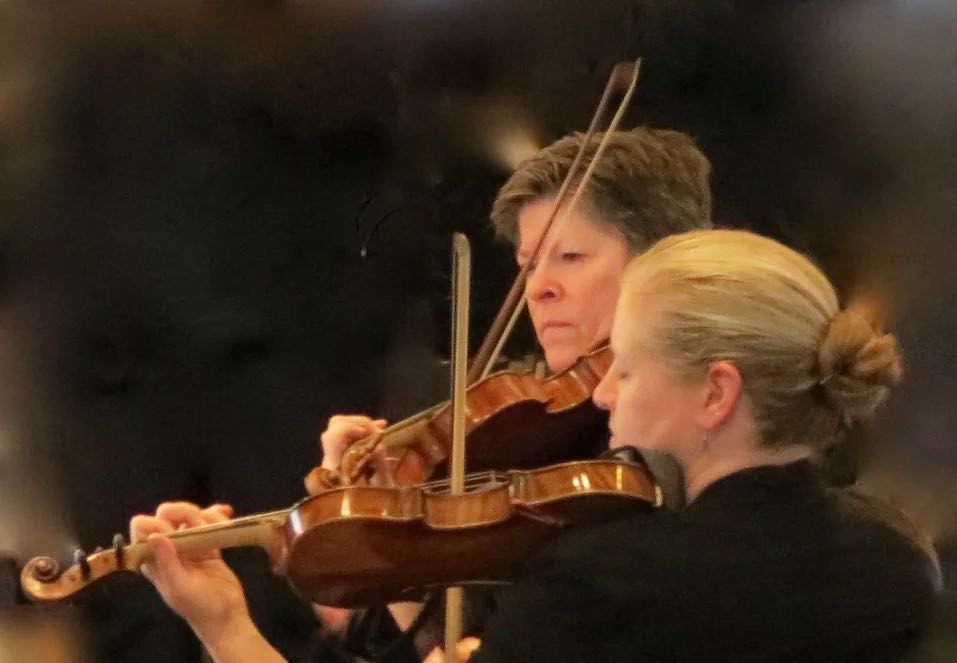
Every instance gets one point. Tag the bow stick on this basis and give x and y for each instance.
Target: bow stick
(623, 77)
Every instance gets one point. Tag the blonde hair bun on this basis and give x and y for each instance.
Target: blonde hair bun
(858, 364)
(809, 369)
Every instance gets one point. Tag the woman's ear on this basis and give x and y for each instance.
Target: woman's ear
(722, 391)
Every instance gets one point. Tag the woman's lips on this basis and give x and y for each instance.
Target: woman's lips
(556, 327)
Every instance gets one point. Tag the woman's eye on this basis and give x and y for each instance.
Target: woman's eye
(571, 256)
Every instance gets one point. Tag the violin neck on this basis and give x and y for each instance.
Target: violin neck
(404, 432)
(261, 530)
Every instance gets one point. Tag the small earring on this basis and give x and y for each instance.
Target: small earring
(706, 442)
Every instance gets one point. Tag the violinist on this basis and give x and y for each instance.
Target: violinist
(651, 183)
(733, 355)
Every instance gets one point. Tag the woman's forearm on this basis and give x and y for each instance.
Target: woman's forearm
(239, 642)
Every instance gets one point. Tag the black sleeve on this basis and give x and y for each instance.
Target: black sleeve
(593, 595)
(373, 635)
(559, 616)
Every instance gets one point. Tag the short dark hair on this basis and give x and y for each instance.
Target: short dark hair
(649, 184)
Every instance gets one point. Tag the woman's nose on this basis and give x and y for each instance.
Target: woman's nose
(605, 392)
(542, 286)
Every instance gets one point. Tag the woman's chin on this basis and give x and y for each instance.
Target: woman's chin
(560, 360)
(562, 355)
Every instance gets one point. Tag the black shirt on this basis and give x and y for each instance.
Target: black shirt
(766, 565)
(372, 633)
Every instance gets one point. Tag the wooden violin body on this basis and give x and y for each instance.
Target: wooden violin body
(357, 545)
(512, 420)
(518, 420)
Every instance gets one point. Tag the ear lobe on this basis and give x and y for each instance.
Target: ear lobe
(723, 383)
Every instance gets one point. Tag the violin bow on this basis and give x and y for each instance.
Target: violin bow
(624, 77)
(461, 279)
(511, 309)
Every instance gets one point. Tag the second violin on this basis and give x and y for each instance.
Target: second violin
(358, 545)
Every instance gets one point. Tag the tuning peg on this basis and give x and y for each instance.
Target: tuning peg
(119, 544)
(79, 558)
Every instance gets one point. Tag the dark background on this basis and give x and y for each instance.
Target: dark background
(222, 222)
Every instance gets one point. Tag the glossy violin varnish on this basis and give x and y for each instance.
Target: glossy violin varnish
(362, 544)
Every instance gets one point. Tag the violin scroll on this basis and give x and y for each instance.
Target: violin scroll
(43, 569)
(43, 581)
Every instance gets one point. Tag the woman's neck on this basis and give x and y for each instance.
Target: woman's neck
(710, 465)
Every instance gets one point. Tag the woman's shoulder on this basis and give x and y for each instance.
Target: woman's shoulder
(888, 530)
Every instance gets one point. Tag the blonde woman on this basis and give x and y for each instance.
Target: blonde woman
(733, 355)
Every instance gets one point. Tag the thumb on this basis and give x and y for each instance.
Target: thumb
(467, 647)
(435, 656)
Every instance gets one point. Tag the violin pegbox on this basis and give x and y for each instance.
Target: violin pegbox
(43, 581)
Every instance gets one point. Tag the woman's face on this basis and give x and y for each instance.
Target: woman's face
(649, 406)
(572, 289)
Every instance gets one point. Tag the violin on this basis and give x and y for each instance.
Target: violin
(513, 419)
(402, 541)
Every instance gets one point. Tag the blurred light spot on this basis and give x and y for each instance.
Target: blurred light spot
(513, 146)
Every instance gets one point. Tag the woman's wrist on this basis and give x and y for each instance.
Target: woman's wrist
(237, 641)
